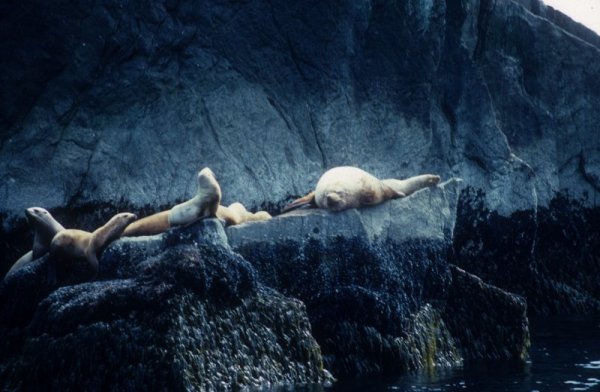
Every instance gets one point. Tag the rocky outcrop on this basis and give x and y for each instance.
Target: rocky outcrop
(191, 316)
(500, 93)
(539, 68)
(183, 311)
(378, 288)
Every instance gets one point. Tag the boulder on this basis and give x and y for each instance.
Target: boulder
(204, 308)
(378, 287)
(188, 316)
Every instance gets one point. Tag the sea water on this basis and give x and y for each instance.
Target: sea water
(564, 356)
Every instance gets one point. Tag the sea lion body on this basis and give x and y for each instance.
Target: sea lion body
(345, 187)
(79, 244)
(203, 205)
(45, 227)
(236, 214)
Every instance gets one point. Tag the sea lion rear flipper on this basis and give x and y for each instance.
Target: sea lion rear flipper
(23, 260)
(306, 201)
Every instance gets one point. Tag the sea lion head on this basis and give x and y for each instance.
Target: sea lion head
(432, 179)
(37, 215)
(335, 201)
(111, 230)
(124, 218)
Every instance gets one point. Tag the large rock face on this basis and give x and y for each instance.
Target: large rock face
(269, 95)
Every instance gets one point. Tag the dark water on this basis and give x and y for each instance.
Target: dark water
(564, 356)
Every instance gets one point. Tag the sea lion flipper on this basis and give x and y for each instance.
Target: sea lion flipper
(92, 258)
(26, 258)
(308, 200)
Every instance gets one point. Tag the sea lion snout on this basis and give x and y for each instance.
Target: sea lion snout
(129, 216)
(32, 211)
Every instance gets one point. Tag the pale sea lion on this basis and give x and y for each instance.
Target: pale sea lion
(347, 187)
(44, 228)
(75, 243)
(203, 205)
(236, 214)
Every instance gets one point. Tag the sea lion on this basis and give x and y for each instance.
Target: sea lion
(44, 228)
(236, 214)
(347, 187)
(203, 205)
(73, 243)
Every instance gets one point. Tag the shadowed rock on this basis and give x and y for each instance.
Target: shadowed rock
(378, 288)
(182, 311)
(177, 312)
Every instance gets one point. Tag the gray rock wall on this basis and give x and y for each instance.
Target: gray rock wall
(119, 103)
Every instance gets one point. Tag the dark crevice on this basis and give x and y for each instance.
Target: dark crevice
(324, 163)
(275, 105)
(591, 179)
(486, 8)
(451, 119)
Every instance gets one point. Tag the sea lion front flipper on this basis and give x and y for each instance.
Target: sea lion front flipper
(306, 201)
(92, 259)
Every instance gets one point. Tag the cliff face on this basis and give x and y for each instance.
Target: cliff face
(116, 104)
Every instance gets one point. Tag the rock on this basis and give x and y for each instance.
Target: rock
(378, 288)
(182, 311)
(190, 316)
(475, 308)
(545, 255)
(501, 94)
(540, 69)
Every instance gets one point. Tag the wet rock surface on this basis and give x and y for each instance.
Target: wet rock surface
(378, 288)
(183, 311)
(190, 315)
